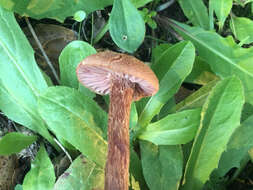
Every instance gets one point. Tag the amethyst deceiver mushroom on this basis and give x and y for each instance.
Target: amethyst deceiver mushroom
(126, 79)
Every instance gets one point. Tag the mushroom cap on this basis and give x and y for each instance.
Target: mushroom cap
(96, 71)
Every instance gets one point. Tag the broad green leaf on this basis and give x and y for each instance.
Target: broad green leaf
(162, 166)
(55, 9)
(126, 25)
(196, 12)
(196, 99)
(242, 29)
(82, 174)
(140, 3)
(70, 57)
(239, 144)
(15, 142)
(77, 119)
(178, 128)
(41, 176)
(218, 122)
(21, 81)
(135, 171)
(201, 73)
(85, 91)
(222, 54)
(222, 9)
(171, 69)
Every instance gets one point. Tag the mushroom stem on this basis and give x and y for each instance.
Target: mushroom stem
(117, 165)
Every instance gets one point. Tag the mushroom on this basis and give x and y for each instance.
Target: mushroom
(126, 79)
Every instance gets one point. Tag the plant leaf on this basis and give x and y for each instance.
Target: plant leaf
(21, 81)
(218, 122)
(126, 25)
(178, 128)
(162, 166)
(82, 174)
(140, 3)
(222, 54)
(135, 170)
(69, 58)
(201, 73)
(53, 8)
(196, 99)
(196, 12)
(222, 9)
(15, 142)
(77, 119)
(239, 144)
(171, 69)
(242, 29)
(41, 175)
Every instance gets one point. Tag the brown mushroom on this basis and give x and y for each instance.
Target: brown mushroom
(126, 79)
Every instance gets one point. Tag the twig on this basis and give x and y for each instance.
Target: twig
(42, 50)
(64, 150)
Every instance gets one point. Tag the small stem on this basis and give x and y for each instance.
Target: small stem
(117, 165)
(42, 50)
(92, 29)
(101, 33)
(63, 149)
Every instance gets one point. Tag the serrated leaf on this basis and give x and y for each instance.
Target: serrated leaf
(162, 166)
(222, 54)
(77, 119)
(15, 142)
(242, 29)
(178, 128)
(69, 58)
(171, 69)
(82, 174)
(53, 8)
(218, 122)
(222, 9)
(41, 176)
(196, 12)
(126, 25)
(21, 81)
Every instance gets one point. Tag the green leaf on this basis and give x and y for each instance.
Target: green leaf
(140, 3)
(242, 29)
(18, 187)
(171, 69)
(135, 170)
(41, 176)
(82, 174)
(239, 144)
(218, 122)
(196, 12)
(15, 142)
(69, 58)
(162, 166)
(21, 81)
(53, 8)
(77, 119)
(222, 54)
(222, 9)
(126, 25)
(196, 99)
(178, 128)
(201, 73)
